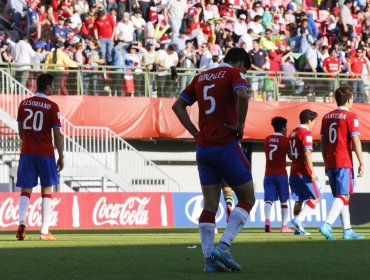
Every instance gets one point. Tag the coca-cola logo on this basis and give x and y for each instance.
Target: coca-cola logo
(9, 213)
(131, 212)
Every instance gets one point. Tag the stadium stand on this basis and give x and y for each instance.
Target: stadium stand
(153, 48)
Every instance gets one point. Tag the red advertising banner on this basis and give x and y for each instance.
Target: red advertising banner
(92, 210)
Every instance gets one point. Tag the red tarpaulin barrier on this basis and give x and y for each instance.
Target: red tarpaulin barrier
(92, 210)
(142, 117)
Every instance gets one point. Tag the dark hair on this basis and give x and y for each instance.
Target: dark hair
(234, 55)
(307, 115)
(43, 81)
(257, 18)
(342, 94)
(279, 123)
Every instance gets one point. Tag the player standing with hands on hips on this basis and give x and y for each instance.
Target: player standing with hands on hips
(339, 131)
(222, 97)
(37, 118)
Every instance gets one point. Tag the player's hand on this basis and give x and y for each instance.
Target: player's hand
(313, 177)
(238, 129)
(361, 170)
(60, 164)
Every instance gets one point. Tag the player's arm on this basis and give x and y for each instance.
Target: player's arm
(308, 159)
(358, 151)
(58, 142)
(179, 107)
(241, 111)
(20, 130)
(323, 147)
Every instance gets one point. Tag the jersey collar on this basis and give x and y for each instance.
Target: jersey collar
(225, 65)
(342, 108)
(278, 134)
(41, 95)
(303, 126)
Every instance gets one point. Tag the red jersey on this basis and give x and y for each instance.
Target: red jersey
(332, 65)
(38, 116)
(300, 140)
(105, 27)
(276, 148)
(215, 91)
(337, 129)
(357, 64)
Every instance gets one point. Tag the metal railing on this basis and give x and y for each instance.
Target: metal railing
(94, 147)
(127, 81)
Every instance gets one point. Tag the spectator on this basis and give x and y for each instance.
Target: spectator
(133, 60)
(256, 25)
(119, 59)
(56, 62)
(206, 57)
(259, 63)
(312, 62)
(166, 59)
(356, 66)
(333, 66)
(187, 60)
(148, 60)
(139, 25)
(125, 30)
(104, 31)
(248, 39)
(5, 56)
(346, 18)
(255, 11)
(22, 55)
(17, 7)
(92, 59)
(267, 43)
(174, 13)
(240, 28)
(59, 32)
(288, 76)
(180, 42)
(81, 7)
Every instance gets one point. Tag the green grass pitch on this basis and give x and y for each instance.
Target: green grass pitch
(177, 254)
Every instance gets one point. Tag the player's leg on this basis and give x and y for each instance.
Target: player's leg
(283, 193)
(236, 172)
(27, 175)
(311, 192)
(337, 205)
(207, 225)
(48, 177)
(229, 200)
(211, 187)
(269, 198)
(346, 187)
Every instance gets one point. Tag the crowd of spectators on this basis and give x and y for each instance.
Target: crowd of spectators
(169, 36)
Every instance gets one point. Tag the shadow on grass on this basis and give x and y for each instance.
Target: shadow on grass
(260, 258)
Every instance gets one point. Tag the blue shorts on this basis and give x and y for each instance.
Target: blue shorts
(276, 187)
(223, 163)
(303, 188)
(341, 180)
(32, 167)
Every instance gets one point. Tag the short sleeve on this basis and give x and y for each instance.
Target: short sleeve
(307, 141)
(238, 80)
(353, 125)
(188, 94)
(55, 117)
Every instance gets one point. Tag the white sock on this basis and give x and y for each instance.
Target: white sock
(236, 222)
(45, 208)
(24, 202)
(284, 213)
(335, 210)
(207, 238)
(268, 205)
(305, 211)
(346, 221)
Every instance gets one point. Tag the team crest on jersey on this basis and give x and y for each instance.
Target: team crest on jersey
(309, 139)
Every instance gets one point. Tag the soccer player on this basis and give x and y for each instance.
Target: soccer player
(222, 98)
(303, 180)
(37, 118)
(339, 131)
(275, 183)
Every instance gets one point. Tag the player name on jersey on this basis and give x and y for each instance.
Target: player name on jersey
(336, 116)
(212, 76)
(38, 104)
(274, 140)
